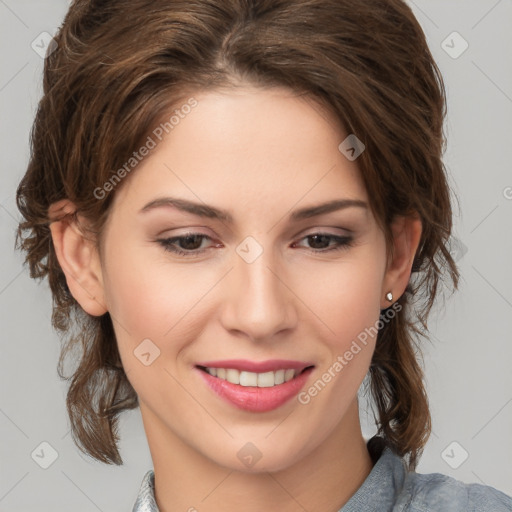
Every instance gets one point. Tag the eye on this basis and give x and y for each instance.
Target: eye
(190, 245)
(322, 242)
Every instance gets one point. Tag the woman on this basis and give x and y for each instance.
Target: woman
(242, 211)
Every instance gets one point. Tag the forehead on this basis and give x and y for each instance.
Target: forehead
(248, 148)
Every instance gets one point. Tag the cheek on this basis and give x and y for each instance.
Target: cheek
(348, 302)
(152, 298)
(345, 296)
(145, 299)
(144, 292)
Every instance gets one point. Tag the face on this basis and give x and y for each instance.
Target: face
(253, 274)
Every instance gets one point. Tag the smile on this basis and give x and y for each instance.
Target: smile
(252, 379)
(255, 392)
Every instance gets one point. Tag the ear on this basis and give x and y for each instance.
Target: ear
(77, 257)
(406, 238)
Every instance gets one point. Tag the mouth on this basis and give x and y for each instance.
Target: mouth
(255, 379)
(256, 392)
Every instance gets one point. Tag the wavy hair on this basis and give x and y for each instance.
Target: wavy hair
(118, 65)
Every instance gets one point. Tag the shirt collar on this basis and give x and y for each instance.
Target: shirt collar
(379, 491)
(146, 498)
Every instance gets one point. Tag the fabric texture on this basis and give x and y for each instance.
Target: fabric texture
(391, 488)
(146, 498)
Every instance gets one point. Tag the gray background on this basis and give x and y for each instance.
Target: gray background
(467, 364)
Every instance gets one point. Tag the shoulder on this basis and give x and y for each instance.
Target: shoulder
(391, 487)
(432, 492)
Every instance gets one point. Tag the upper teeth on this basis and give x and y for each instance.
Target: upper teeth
(261, 380)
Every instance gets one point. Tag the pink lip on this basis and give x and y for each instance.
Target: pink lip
(257, 367)
(252, 398)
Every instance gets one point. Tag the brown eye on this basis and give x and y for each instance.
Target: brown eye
(185, 245)
(321, 242)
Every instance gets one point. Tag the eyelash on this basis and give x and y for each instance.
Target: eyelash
(343, 243)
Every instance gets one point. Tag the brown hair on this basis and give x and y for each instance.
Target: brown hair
(120, 64)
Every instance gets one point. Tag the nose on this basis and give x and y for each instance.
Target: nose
(258, 301)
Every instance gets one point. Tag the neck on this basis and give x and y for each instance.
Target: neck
(324, 480)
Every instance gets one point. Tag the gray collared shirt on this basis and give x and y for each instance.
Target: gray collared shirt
(391, 488)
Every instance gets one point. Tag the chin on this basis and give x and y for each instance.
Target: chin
(251, 460)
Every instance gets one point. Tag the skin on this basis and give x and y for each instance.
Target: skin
(259, 154)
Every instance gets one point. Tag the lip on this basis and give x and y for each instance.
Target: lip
(255, 399)
(270, 365)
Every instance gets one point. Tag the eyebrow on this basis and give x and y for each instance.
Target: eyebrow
(204, 210)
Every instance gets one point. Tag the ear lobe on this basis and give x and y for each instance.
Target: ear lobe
(406, 238)
(78, 258)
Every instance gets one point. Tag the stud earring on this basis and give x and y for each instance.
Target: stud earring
(389, 296)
